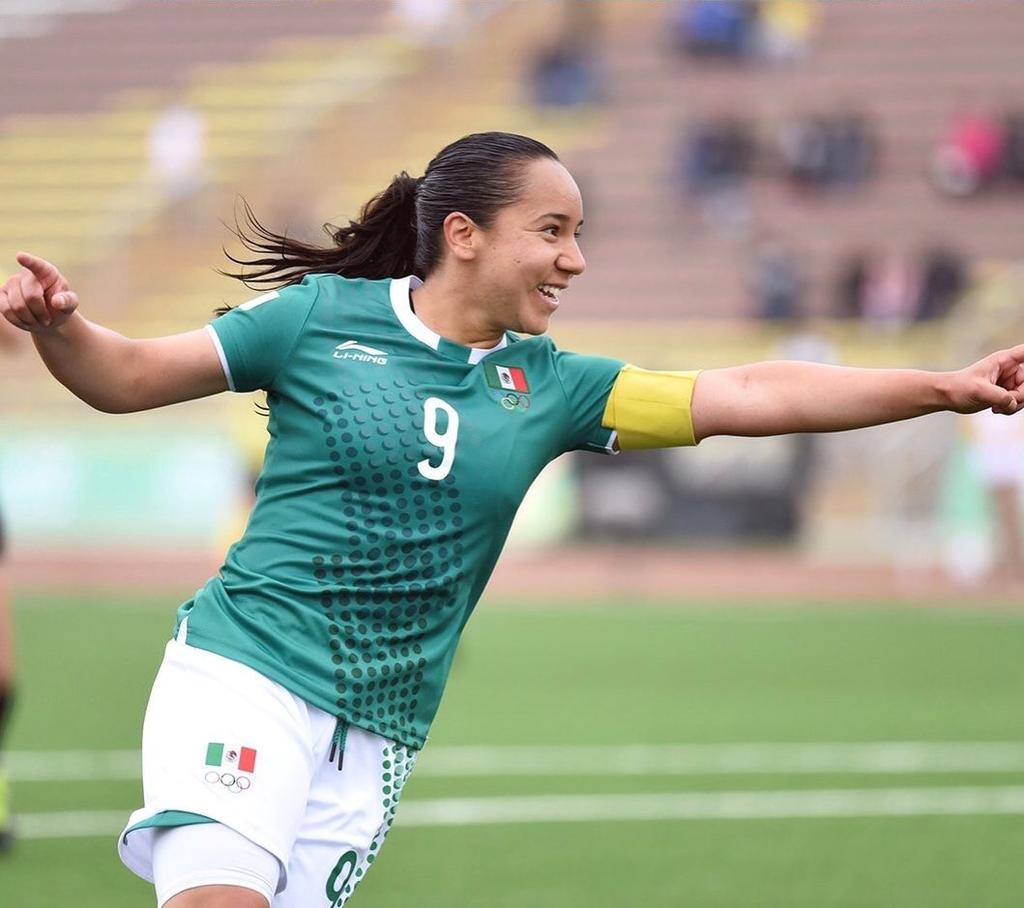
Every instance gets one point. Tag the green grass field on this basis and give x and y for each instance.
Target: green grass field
(704, 824)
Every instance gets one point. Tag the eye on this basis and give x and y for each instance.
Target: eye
(553, 227)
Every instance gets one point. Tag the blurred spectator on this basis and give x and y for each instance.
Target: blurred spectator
(803, 144)
(969, 156)
(430, 23)
(177, 151)
(828, 151)
(996, 451)
(568, 73)
(715, 28)
(718, 155)
(1013, 147)
(806, 342)
(177, 164)
(776, 283)
(943, 281)
(852, 150)
(849, 286)
(785, 28)
(890, 292)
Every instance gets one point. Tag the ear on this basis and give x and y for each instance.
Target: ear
(461, 235)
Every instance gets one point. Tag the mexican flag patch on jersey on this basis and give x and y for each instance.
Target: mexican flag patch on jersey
(506, 378)
(217, 755)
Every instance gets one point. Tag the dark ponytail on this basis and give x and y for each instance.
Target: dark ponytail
(399, 231)
(382, 243)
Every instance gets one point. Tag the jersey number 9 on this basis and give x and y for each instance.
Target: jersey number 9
(444, 440)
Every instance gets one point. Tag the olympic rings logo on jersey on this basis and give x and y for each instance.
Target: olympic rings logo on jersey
(512, 401)
(229, 780)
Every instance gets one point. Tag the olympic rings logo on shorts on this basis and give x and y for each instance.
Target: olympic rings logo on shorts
(230, 781)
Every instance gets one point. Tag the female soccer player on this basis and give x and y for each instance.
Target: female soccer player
(406, 423)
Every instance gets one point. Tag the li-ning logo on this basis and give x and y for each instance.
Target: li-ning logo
(360, 353)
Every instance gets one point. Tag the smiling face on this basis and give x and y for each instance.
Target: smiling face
(528, 255)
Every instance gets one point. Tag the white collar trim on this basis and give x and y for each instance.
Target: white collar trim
(401, 287)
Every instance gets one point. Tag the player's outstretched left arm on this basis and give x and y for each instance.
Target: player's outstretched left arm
(108, 371)
(776, 398)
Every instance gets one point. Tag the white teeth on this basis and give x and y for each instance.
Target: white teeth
(550, 291)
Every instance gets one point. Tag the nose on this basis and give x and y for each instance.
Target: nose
(571, 260)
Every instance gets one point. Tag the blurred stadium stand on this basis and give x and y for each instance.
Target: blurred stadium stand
(907, 66)
(311, 106)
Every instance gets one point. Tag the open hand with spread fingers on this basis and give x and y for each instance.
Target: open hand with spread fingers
(38, 298)
(995, 382)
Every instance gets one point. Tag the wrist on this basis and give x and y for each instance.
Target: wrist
(943, 391)
(62, 330)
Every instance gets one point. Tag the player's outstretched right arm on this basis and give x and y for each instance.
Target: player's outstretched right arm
(108, 371)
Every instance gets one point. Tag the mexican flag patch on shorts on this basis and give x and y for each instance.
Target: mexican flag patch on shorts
(506, 378)
(243, 758)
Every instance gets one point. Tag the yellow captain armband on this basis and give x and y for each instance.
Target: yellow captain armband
(651, 409)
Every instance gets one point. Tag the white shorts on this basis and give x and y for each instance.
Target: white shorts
(222, 741)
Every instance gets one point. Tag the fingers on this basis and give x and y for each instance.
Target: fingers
(23, 304)
(32, 299)
(1007, 367)
(29, 297)
(1008, 373)
(47, 274)
(1008, 358)
(12, 305)
(1003, 401)
(8, 313)
(63, 304)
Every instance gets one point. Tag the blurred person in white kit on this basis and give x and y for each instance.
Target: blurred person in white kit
(429, 22)
(176, 148)
(996, 452)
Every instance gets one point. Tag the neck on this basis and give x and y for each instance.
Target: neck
(446, 308)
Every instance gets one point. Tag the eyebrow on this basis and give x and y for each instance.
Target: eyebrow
(558, 217)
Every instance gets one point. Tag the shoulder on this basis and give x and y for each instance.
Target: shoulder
(539, 345)
(541, 349)
(335, 288)
(326, 287)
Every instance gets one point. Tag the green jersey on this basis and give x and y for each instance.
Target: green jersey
(396, 462)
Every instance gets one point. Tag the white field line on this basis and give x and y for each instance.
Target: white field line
(725, 805)
(70, 824)
(724, 759)
(73, 765)
(728, 805)
(625, 760)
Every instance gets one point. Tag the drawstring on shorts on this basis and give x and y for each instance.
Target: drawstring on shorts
(338, 742)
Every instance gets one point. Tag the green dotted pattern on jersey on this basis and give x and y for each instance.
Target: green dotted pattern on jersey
(403, 556)
(356, 574)
(397, 764)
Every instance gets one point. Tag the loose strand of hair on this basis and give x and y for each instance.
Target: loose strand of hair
(281, 260)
